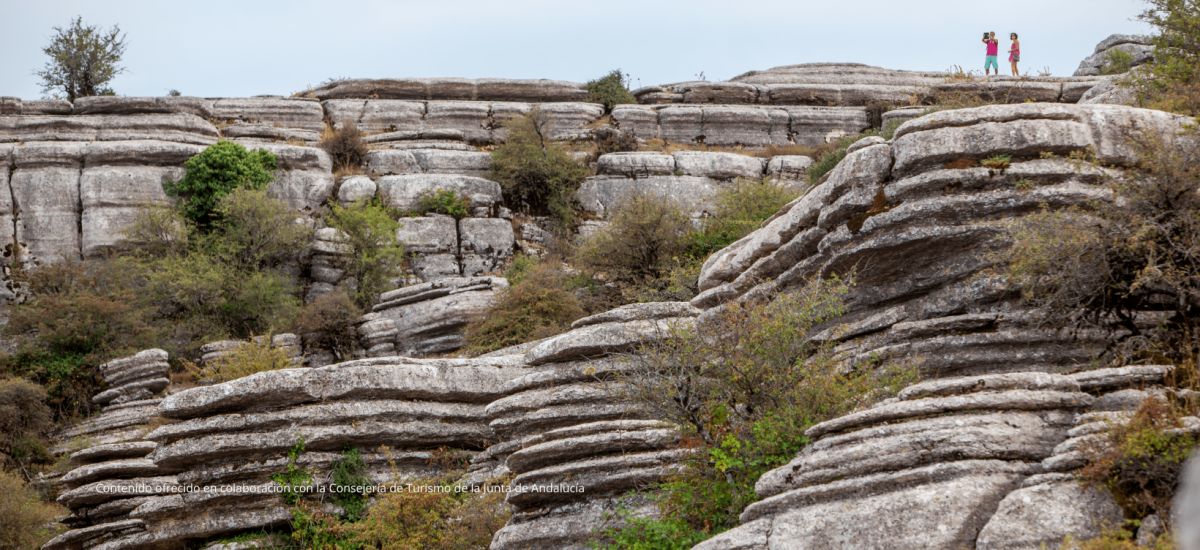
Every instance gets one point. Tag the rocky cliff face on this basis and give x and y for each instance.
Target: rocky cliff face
(979, 454)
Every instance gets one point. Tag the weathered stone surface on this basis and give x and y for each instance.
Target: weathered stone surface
(747, 125)
(641, 311)
(603, 338)
(356, 189)
(405, 191)
(600, 195)
(430, 317)
(1139, 48)
(451, 88)
(182, 128)
(485, 244)
(1043, 515)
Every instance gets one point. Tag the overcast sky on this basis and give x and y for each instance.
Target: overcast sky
(249, 47)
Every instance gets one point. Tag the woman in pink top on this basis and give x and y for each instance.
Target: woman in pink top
(1014, 53)
(993, 49)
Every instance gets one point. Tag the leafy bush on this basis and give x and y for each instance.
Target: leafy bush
(256, 231)
(1105, 266)
(345, 146)
(610, 90)
(216, 171)
(438, 520)
(444, 201)
(248, 358)
(1172, 82)
(998, 162)
(157, 232)
(536, 175)
(330, 322)
(293, 480)
(1117, 62)
(645, 238)
(83, 60)
(348, 474)
(25, 520)
(25, 420)
(1141, 459)
(375, 256)
(738, 210)
(79, 315)
(745, 386)
(538, 305)
(642, 533)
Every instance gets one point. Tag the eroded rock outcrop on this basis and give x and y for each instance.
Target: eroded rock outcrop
(922, 228)
(1138, 49)
(427, 318)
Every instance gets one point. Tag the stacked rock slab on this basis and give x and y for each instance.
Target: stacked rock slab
(289, 343)
(923, 230)
(1140, 49)
(109, 450)
(232, 437)
(848, 84)
(427, 318)
(740, 125)
(689, 178)
(477, 122)
(1055, 504)
(572, 443)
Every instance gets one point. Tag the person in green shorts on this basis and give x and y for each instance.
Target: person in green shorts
(993, 50)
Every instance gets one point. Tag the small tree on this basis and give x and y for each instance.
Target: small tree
(1173, 82)
(646, 236)
(374, 255)
(611, 90)
(537, 175)
(256, 231)
(210, 175)
(83, 60)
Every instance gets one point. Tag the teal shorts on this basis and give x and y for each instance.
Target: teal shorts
(990, 62)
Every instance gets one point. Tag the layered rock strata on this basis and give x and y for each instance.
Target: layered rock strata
(404, 415)
(689, 178)
(572, 442)
(427, 318)
(1139, 50)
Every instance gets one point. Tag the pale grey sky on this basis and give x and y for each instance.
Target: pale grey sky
(249, 47)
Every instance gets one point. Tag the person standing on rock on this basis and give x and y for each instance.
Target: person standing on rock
(993, 50)
(1014, 53)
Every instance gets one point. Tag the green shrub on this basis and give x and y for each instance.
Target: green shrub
(375, 256)
(997, 162)
(345, 146)
(294, 480)
(538, 305)
(645, 238)
(1108, 265)
(444, 201)
(216, 171)
(641, 533)
(26, 522)
(1141, 459)
(25, 420)
(536, 175)
(330, 323)
(745, 386)
(349, 474)
(1117, 62)
(435, 520)
(255, 231)
(158, 231)
(248, 358)
(610, 90)
(738, 210)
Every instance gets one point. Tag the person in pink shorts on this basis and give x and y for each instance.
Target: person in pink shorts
(1014, 53)
(993, 50)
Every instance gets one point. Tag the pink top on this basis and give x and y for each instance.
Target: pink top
(993, 47)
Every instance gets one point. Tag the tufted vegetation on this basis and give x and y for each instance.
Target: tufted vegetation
(375, 256)
(214, 173)
(537, 175)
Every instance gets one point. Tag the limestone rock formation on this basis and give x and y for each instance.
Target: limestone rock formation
(475, 122)
(134, 378)
(487, 89)
(689, 178)
(1140, 49)
(920, 224)
(427, 318)
(740, 125)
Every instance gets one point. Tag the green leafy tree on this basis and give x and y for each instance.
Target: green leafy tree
(374, 256)
(537, 175)
(1173, 82)
(214, 173)
(611, 90)
(83, 60)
